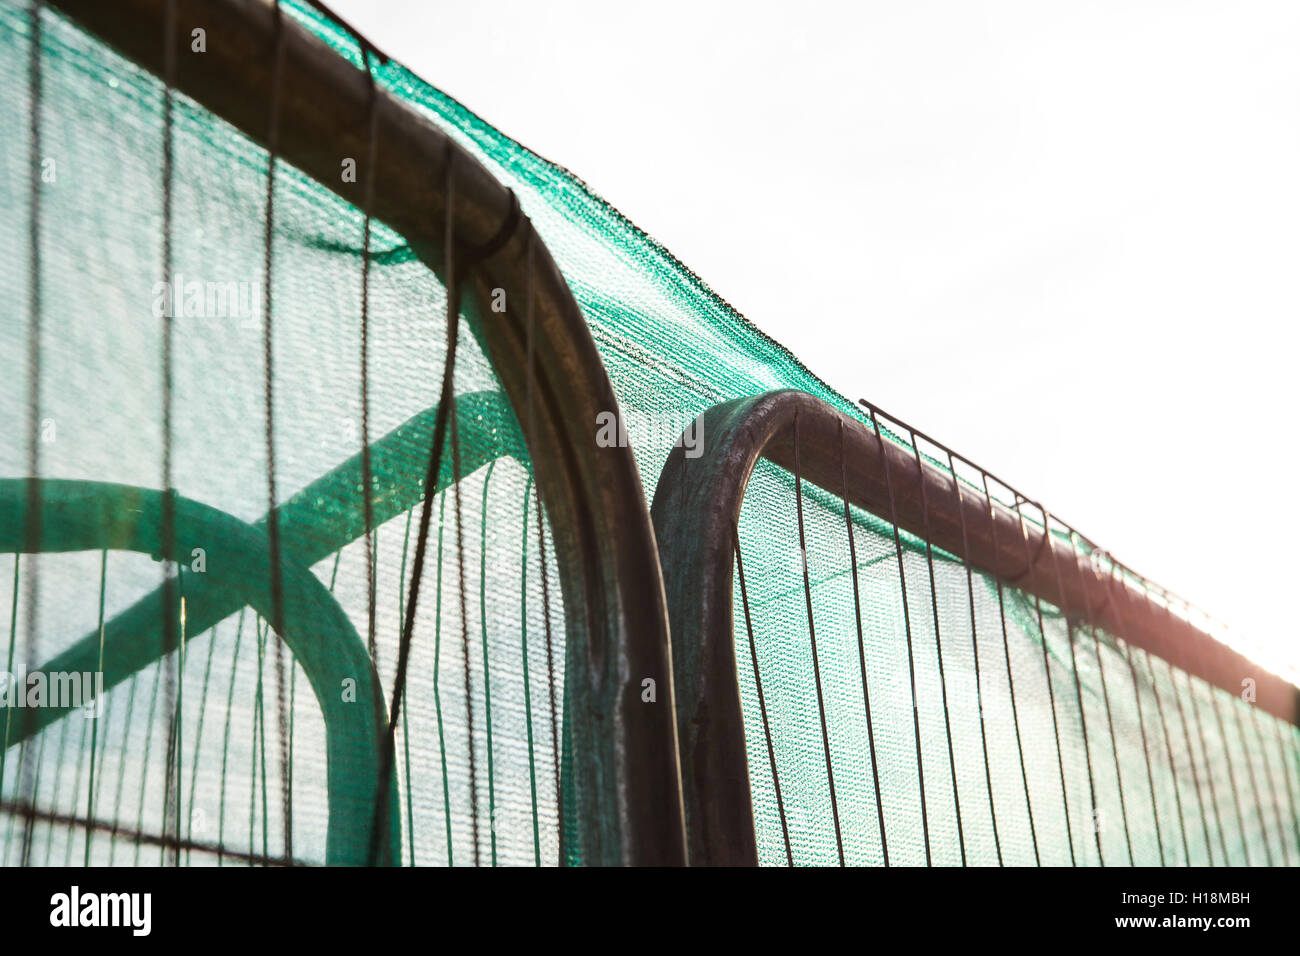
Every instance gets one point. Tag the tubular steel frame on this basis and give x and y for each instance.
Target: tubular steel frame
(696, 509)
(625, 772)
(637, 801)
(93, 516)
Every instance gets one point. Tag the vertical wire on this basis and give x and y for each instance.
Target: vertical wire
(76, 789)
(144, 767)
(1191, 757)
(334, 576)
(256, 718)
(1209, 771)
(1182, 822)
(975, 650)
(862, 650)
(1105, 695)
(9, 669)
(938, 639)
(464, 629)
(1114, 745)
(406, 729)
(1169, 754)
(762, 703)
(1232, 777)
(1006, 652)
(171, 794)
(54, 790)
(198, 742)
(1272, 785)
(273, 516)
(293, 706)
(812, 636)
(32, 511)
(907, 626)
(30, 807)
(1191, 753)
(528, 681)
(9, 832)
(1254, 787)
(174, 738)
(446, 408)
(1146, 750)
(1128, 625)
(1078, 691)
(225, 742)
(182, 656)
(437, 667)
(263, 634)
(531, 323)
(367, 479)
(170, 664)
(9, 824)
(1047, 672)
(487, 674)
(70, 826)
(556, 743)
(1283, 731)
(1200, 735)
(121, 769)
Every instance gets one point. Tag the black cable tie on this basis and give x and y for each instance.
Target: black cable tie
(472, 253)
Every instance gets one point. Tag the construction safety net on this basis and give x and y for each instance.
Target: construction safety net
(995, 732)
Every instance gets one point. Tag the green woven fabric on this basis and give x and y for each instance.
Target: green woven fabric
(101, 395)
(478, 761)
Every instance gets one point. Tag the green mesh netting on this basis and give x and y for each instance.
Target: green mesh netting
(673, 349)
(1171, 786)
(1223, 775)
(100, 411)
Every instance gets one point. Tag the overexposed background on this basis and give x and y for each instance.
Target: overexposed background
(1060, 237)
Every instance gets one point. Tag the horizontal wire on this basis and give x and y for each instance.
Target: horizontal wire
(1144, 583)
(74, 821)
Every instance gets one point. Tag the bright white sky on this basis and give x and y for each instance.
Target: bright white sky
(1061, 237)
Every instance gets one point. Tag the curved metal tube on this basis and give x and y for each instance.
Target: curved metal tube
(697, 505)
(88, 515)
(321, 519)
(625, 774)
